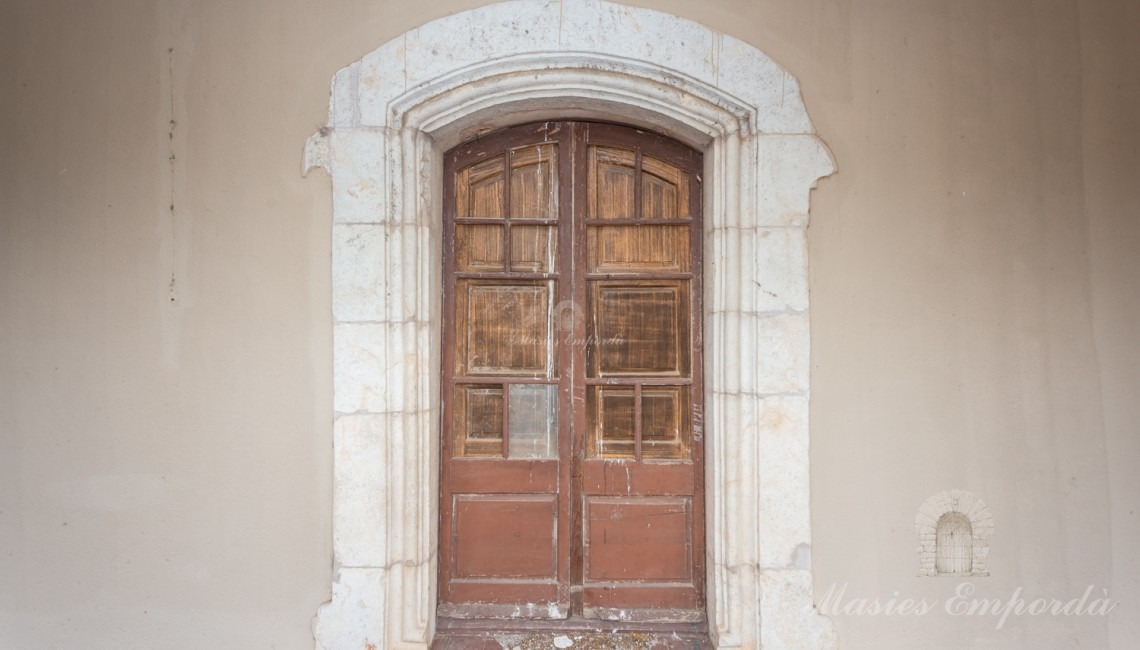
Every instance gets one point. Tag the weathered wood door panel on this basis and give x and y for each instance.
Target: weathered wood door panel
(572, 446)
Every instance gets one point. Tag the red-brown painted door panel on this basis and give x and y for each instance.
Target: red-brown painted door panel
(638, 539)
(505, 536)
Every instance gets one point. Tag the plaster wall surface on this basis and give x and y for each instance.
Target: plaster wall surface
(165, 465)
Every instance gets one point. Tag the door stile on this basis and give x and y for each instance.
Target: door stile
(566, 363)
(697, 392)
(577, 352)
(448, 362)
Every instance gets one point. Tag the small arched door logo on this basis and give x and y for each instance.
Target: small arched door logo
(954, 529)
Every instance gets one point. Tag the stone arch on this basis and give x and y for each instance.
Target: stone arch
(391, 115)
(940, 522)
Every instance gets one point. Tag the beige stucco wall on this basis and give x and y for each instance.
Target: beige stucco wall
(165, 465)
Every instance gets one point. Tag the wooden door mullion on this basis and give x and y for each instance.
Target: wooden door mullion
(565, 285)
(577, 258)
(638, 197)
(506, 421)
(505, 211)
(637, 422)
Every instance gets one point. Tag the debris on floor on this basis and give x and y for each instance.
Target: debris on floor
(581, 641)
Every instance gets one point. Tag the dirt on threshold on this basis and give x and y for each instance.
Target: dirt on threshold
(594, 641)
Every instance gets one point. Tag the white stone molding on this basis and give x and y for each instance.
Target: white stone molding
(392, 114)
(926, 526)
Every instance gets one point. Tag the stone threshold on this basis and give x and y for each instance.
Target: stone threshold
(570, 639)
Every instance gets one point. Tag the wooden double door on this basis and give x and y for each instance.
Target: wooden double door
(572, 455)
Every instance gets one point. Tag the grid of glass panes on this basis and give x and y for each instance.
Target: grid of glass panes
(505, 377)
(639, 277)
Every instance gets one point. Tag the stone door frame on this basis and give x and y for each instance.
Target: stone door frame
(392, 114)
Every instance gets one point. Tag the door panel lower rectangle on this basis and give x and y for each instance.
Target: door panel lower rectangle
(638, 539)
(505, 536)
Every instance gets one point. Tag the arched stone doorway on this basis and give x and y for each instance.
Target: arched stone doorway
(392, 114)
(954, 529)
